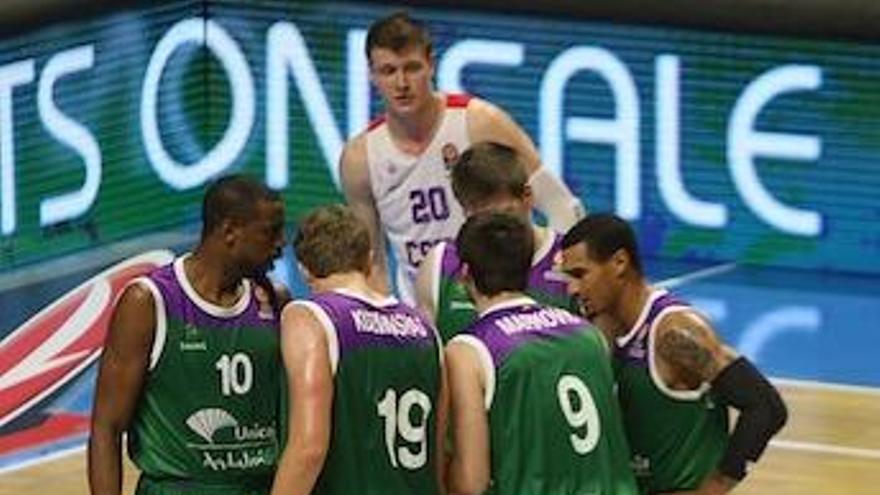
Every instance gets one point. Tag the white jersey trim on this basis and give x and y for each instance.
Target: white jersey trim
(329, 330)
(640, 321)
(545, 247)
(208, 307)
(161, 331)
(486, 363)
(379, 303)
(683, 395)
(510, 303)
(435, 264)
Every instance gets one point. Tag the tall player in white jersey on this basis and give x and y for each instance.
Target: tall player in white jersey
(395, 174)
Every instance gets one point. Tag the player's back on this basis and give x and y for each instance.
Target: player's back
(554, 421)
(386, 387)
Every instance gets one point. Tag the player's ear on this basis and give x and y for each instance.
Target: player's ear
(528, 197)
(304, 272)
(620, 262)
(230, 231)
(370, 258)
(467, 279)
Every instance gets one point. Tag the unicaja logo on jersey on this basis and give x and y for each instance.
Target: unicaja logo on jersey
(250, 447)
(206, 422)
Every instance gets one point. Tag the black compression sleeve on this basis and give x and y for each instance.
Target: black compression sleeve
(762, 414)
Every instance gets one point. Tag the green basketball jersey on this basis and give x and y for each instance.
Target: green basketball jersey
(386, 388)
(554, 421)
(677, 438)
(454, 309)
(209, 410)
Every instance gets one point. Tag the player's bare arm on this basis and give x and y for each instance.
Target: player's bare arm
(121, 376)
(487, 122)
(442, 424)
(469, 469)
(689, 354)
(355, 177)
(427, 283)
(304, 350)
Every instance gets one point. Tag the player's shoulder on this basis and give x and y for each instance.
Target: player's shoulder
(480, 107)
(353, 160)
(685, 327)
(356, 147)
(139, 293)
(683, 315)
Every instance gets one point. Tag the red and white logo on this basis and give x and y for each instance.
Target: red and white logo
(54, 346)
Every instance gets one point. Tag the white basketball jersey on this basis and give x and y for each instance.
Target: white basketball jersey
(414, 193)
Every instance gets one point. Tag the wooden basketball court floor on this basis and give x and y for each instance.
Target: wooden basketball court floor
(831, 446)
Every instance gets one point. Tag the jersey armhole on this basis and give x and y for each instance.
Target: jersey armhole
(486, 363)
(329, 330)
(435, 274)
(161, 331)
(681, 395)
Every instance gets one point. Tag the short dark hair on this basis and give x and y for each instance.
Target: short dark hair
(498, 249)
(332, 239)
(398, 32)
(603, 234)
(233, 197)
(487, 169)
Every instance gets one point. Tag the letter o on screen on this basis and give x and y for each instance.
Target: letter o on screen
(217, 40)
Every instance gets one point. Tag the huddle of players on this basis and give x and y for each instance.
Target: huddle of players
(500, 382)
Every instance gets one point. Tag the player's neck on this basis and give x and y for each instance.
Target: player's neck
(349, 281)
(485, 303)
(413, 133)
(212, 277)
(632, 301)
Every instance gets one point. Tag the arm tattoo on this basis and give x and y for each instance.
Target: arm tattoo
(686, 350)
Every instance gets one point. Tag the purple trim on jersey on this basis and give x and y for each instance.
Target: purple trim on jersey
(501, 343)
(179, 307)
(450, 267)
(341, 309)
(450, 263)
(635, 352)
(538, 276)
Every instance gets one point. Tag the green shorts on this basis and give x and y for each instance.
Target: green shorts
(171, 486)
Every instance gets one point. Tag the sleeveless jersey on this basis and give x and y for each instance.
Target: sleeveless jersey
(554, 421)
(677, 437)
(210, 404)
(413, 194)
(454, 309)
(387, 369)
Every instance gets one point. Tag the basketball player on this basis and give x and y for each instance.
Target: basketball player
(395, 173)
(676, 378)
(191, 367)
(364, 374)
(532, 393)
(489, 177)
